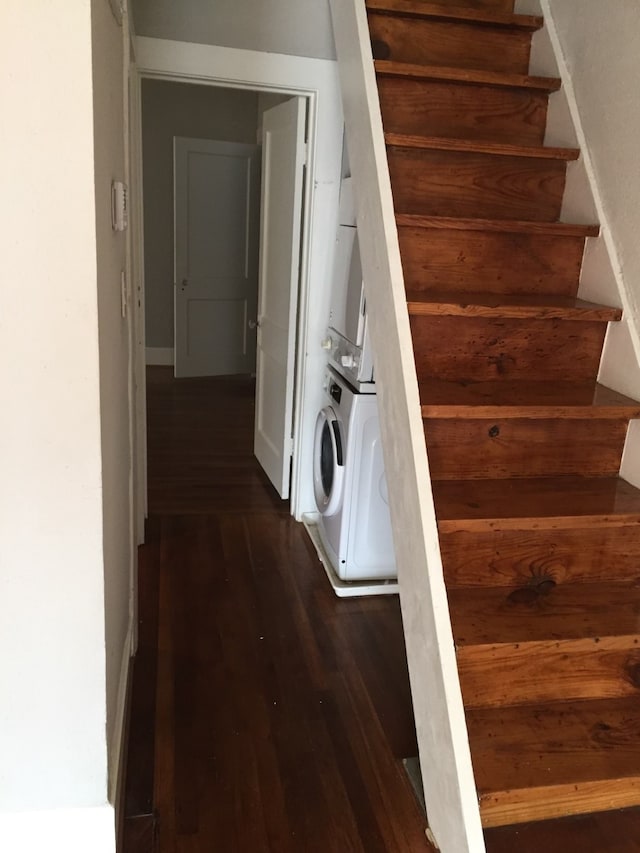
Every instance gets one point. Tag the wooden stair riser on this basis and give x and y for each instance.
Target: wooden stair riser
(453, 109)
(452, 183)
(480, 349)
(520, 447)
(494, 262)
(522, 557)
(484, 5)
(532, 762)
(551, 671)
(449, 44)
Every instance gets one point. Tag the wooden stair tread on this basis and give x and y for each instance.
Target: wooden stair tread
(550, 760)
(535, 503)
(526, 306)
(510, 226)
(388, 68)
(543, 611)
(441, 399)
(422, 9)
(604, 832)
(441, 143)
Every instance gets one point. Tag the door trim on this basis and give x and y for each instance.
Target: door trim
(317, 81)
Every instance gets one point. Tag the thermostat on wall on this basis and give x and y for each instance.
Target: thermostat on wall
(119, 206)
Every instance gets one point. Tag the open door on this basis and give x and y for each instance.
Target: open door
(283, 159)
(216, 256)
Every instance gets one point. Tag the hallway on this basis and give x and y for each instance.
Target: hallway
(281, 713)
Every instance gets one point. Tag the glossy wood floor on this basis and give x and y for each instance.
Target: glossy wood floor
(267, 715)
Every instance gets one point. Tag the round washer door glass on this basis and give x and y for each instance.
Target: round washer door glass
(328, 462)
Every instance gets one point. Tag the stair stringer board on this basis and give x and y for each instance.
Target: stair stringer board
(450, 791)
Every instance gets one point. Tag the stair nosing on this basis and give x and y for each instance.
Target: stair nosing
(564, 229)
(459, 14)
(491, 521)
(468, 306)
(618, 406)
(443, 143)
(389, 68)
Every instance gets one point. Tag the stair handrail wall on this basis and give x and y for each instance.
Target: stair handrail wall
(445, 759)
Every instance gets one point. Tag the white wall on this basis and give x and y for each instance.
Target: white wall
(52, 659)
(65, 539)
(299, 28)
(109, 76)
(600, 44)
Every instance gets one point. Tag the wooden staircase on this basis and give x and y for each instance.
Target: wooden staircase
(540, 538)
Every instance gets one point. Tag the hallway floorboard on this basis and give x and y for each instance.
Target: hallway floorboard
(267, 715)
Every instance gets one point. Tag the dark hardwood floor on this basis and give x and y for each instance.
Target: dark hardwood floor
(266, 714)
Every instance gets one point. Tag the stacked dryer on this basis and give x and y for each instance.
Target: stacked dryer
(349, 480)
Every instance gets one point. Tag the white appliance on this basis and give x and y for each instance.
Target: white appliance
(350, 485)
(347, 341)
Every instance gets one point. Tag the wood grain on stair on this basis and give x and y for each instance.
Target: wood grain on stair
(530, 306)
(540, 538)
(501, 226)
(523, 447)
(492, 676)
(454, 109)
(536, 504)
(429, 41)
(601, 832)
(565, 549)
(524, 399)
(456, 12)
(469, 184)
(496, 5)
(539, 609)
(480, 349)
(489, 260)
(550, 760)
(440, 143)
(472, 76)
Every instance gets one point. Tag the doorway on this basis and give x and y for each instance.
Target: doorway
(223, 258)
(271, 75)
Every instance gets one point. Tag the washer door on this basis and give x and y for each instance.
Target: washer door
(328, 462)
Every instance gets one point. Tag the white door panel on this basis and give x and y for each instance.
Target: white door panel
(216, 234)
(283, 155)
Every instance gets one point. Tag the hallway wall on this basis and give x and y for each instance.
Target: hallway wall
(109, 76)
(300, 28)
(52, 635)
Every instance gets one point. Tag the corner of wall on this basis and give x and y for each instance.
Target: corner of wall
(603, 279)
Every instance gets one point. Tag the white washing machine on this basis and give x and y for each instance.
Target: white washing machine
(350, 485)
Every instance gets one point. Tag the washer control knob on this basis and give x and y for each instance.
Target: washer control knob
(326, 343)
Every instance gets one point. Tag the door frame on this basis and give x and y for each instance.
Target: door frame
(317, 81)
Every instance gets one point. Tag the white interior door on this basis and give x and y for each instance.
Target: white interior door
(283, 157)
(216, 197)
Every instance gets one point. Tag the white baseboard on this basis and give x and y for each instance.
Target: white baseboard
(159, 356)
(59, 831)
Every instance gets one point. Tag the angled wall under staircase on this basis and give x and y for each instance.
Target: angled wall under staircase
(538, 535)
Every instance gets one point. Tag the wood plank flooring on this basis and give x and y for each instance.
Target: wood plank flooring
(267, 715)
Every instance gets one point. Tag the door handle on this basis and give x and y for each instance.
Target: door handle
(184, 283)
(254, 324)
